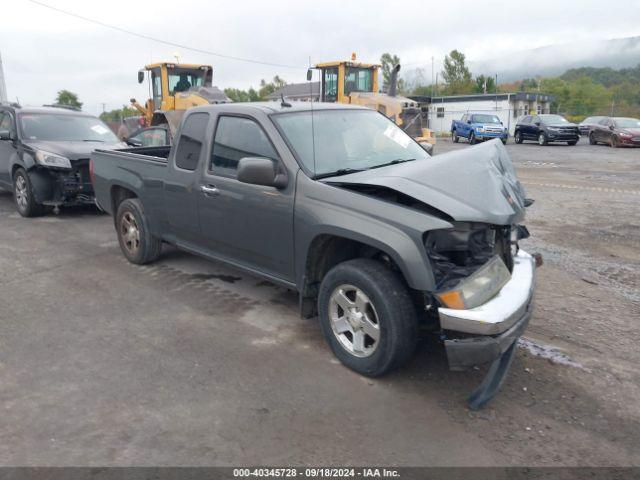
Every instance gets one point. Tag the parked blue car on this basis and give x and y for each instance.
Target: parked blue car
(477, 127)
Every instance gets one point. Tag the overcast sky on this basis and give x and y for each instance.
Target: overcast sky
(44, 51)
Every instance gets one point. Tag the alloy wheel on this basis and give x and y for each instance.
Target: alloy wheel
(130, 233)
(21, 192)
(354, 320)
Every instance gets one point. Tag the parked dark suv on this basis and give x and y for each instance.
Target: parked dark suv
(44, 156)
(545, 129)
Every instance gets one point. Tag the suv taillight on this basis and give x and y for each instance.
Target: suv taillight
(91, 176)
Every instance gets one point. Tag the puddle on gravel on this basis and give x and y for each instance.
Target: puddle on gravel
(547, 351)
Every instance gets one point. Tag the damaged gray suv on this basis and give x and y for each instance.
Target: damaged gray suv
(381, 240)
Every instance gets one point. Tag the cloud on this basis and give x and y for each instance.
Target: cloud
(44, 51)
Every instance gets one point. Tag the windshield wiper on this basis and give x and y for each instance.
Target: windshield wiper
(337, 173)
(392, 162)
(93, 140)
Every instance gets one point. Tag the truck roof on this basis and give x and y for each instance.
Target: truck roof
(276, 107)
(47, 109)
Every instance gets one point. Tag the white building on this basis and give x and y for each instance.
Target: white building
(507, 106)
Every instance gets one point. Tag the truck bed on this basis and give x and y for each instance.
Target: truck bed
(141, 170)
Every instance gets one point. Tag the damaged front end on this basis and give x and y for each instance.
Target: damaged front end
(485, 286)
(58, 187)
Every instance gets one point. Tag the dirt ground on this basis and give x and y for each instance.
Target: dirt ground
(188, 362)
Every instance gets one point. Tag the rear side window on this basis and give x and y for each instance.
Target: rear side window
(237, 138)
(525, 120)
(191, 140)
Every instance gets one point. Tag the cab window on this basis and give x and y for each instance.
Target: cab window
(330, 85)
(5, 121)
(191, 141)
(358, 80)
(151, 137)
(237, 138)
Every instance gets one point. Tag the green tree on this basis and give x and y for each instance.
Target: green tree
(267, 88)
(238, 95)
(484, 84)
(388, 62)
(65, 97)
(456, 75)
(118, 114)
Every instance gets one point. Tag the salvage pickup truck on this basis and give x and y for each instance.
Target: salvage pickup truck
(477, 127)
(382, 241)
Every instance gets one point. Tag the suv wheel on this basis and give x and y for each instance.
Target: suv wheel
(542, 139)
(592, 139)
(472, 138)
(367, 316)
(518, 137)
(136, 242)
(454, 137)
(23, 196)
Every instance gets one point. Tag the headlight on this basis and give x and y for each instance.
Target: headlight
(480, 129)
(477, 288)
(625, 135)
(52, 160)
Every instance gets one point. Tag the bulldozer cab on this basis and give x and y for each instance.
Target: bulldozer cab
(338, 80)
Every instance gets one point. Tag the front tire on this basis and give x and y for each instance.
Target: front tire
(454, 137)
(615, 143)
(472, 138)
(367, 316)
(542, 139)
(136, 242)
(518, 137)
(592, 139)
(23, 196)
(572, 142)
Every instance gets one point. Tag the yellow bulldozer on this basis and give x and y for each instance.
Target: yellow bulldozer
(174, 88)
(357, 83)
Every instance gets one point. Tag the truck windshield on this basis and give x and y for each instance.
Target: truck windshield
(65, 127)
(182, 79)
(346, 140)
(486, 119)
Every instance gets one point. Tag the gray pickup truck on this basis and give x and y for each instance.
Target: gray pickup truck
(383, 242)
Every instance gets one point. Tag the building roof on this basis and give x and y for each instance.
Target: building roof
(518, 96)
(300, 90)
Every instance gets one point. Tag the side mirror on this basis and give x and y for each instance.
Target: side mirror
(133, 142)
(537, 124)
(5, 135)
(469, 122)
(501, 123)
(427, 147)
(140, 76)
(260, 171)
(611, 127)
(309, 75)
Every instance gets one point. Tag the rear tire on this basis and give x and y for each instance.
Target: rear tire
(23, 196)
(592, 139)
(542, 140)
(572, 142)
(136, 242)
(375, 301)
(454, 137)
(518, 137)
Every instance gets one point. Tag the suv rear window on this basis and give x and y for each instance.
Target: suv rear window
(191, 140)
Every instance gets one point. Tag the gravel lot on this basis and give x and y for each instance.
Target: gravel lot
(187, 362)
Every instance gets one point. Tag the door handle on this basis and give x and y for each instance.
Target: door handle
(209, 190)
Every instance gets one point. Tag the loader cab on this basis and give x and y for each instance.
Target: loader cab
(338, 80)
(169, 79)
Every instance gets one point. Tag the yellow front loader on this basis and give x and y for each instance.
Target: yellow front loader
(173, 89)
(357, 83)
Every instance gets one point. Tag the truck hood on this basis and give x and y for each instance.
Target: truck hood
(73, 150)
(477, 184)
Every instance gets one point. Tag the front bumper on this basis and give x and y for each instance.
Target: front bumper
(490, 135)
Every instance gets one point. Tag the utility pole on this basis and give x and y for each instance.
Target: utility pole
(431, 76)
(496, 89)
(3, 86)
(104, 107)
